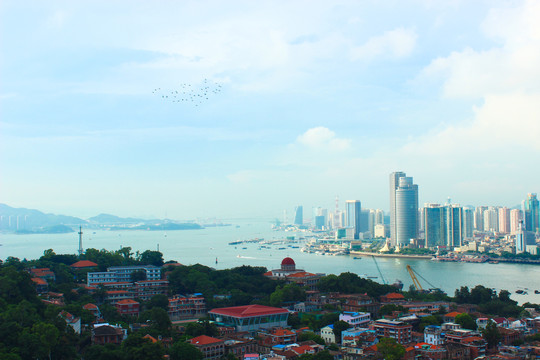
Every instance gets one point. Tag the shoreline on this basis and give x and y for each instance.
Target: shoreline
(407, 256)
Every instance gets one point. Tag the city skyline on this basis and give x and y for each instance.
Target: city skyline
(198, 110)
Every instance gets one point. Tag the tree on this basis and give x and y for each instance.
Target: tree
(390, 349)
(138, 275)
(466, 321)
(339, 326)
(157, 317)
(310, 335)
(136, 347)
(150, 257)
(184, 351)
(159, 300)
(491, 334)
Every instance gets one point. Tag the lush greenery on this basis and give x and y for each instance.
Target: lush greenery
(350, 283)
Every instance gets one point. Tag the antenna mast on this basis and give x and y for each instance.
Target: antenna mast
(80, 241)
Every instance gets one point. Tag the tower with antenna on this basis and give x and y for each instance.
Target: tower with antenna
(80, 241)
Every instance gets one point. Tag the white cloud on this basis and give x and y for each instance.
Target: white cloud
(322, 138)
(397, 43)
(511, 66)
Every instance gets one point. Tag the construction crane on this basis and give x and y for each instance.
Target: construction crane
(380, 273)
(415, 281)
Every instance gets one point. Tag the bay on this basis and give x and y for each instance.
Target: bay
(206, 245)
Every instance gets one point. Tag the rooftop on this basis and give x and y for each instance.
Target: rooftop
(83, 264)
(204, 340)
(249, 311)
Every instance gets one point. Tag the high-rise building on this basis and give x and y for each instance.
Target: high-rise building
(479, 218)
(379, 217)
(353, 210)
(515, 218)
(468, 223)
(491, 219)
(443, 225)
(530, 213)
(405, 211)
(394, 184)
(504, 220)
(299, 215)
(523, 238)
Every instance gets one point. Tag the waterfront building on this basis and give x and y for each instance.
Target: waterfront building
(380, 231)
(394, 183)
(504, 220)
(353, 210)
(250, 317)
(491, 219)
(515, 218)
(299, 215)
(468, 223)
(403, 209)
(531, 213)
(479, 218)
(443, 225)
(524, 239)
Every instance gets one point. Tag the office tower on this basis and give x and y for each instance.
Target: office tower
(468, 223)
(353, 210)
(443, 225)
(504, 220)
(299, 215)
(491, 219)
(530, 213)
(364, 220)
(479, 218)
(405, 210)
(433, 225)
(394, 183)
(515, 218)
(379, 217)
(524, 238)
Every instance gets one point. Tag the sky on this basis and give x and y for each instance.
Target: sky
(306, 101)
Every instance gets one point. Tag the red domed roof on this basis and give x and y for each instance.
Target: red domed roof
(288, 261)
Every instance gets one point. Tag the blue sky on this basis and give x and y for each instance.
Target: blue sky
(318, 99)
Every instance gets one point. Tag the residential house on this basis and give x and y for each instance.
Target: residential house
(211, 348)
(108, 334)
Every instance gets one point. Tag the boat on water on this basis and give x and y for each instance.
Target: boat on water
(521, 292)
(357, 257)
(537, 291)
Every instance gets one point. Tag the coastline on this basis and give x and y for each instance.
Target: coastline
(362, 253)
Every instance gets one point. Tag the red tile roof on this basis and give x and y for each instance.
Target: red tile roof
(126, 302)
(39, 281)
(282, 332)
(302, 349)
(249, 311)
(204, 340)
(453, 314)
(83, 264)
(394, 296)
(301, 274)
(90, 306)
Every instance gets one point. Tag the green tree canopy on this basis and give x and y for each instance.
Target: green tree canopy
(390, 349)
(184, 351)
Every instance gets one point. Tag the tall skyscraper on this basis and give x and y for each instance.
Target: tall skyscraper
(443, 225)
(530, 213)
(468, 223)
(299, 215)
(405, 210)
(394, 184)
(353, 210)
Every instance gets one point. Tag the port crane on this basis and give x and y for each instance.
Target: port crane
(379, 270)
(415, 281)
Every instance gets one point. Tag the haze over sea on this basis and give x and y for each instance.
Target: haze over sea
(206, 245)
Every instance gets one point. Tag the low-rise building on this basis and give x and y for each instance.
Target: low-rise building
(108, 334)
(71, 320)
(211, 348)
(355, 319)
(186, 307)
(327, 333)
(127, 307)
(250, 317)
(397, 330)
(122, 274)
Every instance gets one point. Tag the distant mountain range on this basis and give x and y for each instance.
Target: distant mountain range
(25, 221)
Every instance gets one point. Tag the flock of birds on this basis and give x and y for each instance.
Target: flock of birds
(189, 93)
